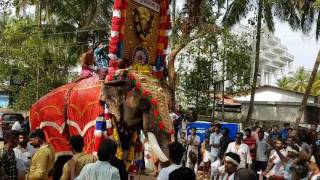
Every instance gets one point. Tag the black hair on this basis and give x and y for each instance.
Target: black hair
(113, 148)
(9, 136)
(279, 139)
(261, 130)
(245, 173)
(23, 132)
(247, 130)
(105, 150)
(227, 130)
(194, 128)
(302, 168)
(76, 142)
(240, 133)
(234, 156)
(176, 152)
(218, 125)
(38, 133)
(182, 173)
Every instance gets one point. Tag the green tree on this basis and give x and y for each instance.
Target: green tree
(299, 80)
(197, 84)
(316, 86)
(284, 83)
(201, 68)
(22, 60)
(264, 11)
(236, 53)
(72, 15)
(308, 10)
(197, 19)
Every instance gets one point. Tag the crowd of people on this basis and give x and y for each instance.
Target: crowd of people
(258, 152)
(34, 159)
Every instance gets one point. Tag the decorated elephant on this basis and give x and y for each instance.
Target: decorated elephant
(136, 100)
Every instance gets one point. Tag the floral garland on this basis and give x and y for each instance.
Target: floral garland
(162, 39)
(116, 44)
(143, 21)
(158, 124)
(117, 140)
(141, 68)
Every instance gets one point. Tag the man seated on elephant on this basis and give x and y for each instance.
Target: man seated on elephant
(86, 60)
(101, 60)
(81, 159)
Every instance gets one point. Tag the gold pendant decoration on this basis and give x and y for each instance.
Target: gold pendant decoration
(143, 21)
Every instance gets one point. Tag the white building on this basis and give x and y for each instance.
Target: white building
(273, 104)
(274, 94)
(275, 60)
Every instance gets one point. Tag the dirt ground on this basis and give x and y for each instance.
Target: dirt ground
(142, 177)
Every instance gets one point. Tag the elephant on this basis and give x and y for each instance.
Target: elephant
(72, 109)
(133, 110)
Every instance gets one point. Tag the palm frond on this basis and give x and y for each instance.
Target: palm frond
(268, 16)
(318, 26)
(307, 17)
(286, 11)
(237, 10)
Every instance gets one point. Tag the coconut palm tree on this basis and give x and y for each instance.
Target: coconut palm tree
(284, 83)
(264, 11)
(299, 80)
(308, 10)
(308, 89)
(71, 15)
(316, 85)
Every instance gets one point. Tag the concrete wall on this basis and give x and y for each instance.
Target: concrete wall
(274, 95)
(276, 112)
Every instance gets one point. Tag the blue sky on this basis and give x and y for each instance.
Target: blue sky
(304, 47)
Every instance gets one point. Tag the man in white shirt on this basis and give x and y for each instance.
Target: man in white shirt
(23, 153)
(275, 167)
(215, 138)
(17, 124)
(175, 155)
(193, 142)
(242, 150)
(261, 155)
(101, 169)
(231, 163)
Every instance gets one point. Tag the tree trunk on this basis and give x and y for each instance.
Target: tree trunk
(256, 64)
(308, 90)
(172, 76)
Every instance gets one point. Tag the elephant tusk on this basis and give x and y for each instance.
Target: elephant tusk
(156, 148)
